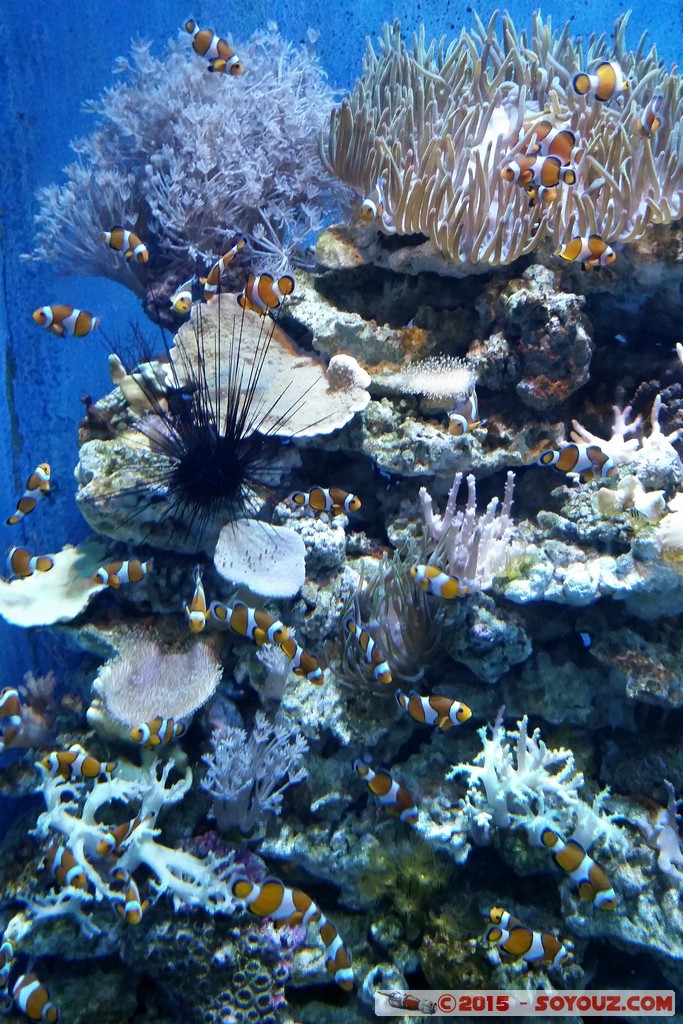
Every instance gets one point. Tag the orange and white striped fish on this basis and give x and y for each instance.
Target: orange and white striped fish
(589, 877)
(435, 710)
(325, 499)
(587, 461)
(76, 763)
(21, 563)
(391, 794)
(220, 55)
(650, 120)
(553, 140)
(128, 904)
(64, 867)
(10, 716)
(33, 999)
(294, 907)
(127, 242)
(546, 171)
(590, 251)
(182, 298)
(263, 628)
(197, 613)
(66, 320)
(465, 417)
(262, 293)
(372, 206)
(605, 83)
(371, 652)
(115, 573)
(37, 485)
(433, 580)
(517, 942)
(114, 840)
(157, 733)
(212, 280)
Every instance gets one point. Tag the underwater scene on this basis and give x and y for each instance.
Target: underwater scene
(342, 491)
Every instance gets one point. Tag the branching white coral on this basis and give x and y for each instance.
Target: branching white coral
(620, 449)
(663, 835)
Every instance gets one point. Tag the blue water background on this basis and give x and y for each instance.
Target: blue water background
(56, 55)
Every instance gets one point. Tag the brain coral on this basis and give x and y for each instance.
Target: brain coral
(433, 126)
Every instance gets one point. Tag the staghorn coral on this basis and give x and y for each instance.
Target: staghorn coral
(431, 126)
(192, 159)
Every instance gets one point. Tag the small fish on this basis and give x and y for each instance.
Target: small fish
(538, 170)
(540, 194)
(435, 710)
(262, 293)
(129, 906)
(115, 839)
(37, 485)
(115, 573)
(66, 870)
(621, 338)
(465, 417)
(157, 733)
(33, 999)
(588, 462)
(10, 717)
(650, 120)
(432, 580)
(294, 907)
(254, 623)
(391, 794)
(183, 297)
(126, 242)
(591, 251)
(21, 563)
(76, 763)
(197, 613)
(66, 320)
(222, 58)
(589, 877)
(586, 639)
(606, 82)
(372, 206)
(212, 280)
(554, 140)
(325, 499)
(371, 653)
(517, 942)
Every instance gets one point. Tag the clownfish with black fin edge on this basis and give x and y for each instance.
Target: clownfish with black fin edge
(159, 732)
(262, 293)
(37, 485)
(433, 580)
(212, 281)
(128, 904)
(303, 663)
(587, 461)
(33, 999)
(183, 297)
(122, 240)
(517, 942)
(372, 206)
(254, 623)
(115, 839)
(650, 120)
(590, 251)
(325, 499)
(64, 867)
(271, 898)
(115, 573)
(66, 321)
(540, 194)
(435, 710)
(220, 55)
(589, 877)
(76, 763)
(605, 83)
(538, 170)
(371, 652)
(21, 563)
(10, 717)
(392, 795)
(465, 417)
(553, 140)
(197, 613)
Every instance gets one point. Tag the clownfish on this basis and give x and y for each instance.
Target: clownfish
(650, 120)
(212, 280)
(325, 499)
(6, 961)
(553, 140)
(262, 293)
(222, 58)
(37, 485)
(606, 82)
(372, 206)
(126, 242)
(157, 733)
(66, 320)
(21, 563)
(540, 194)
(517, 942)
(66, 870)
(539, 170)
(371, 653)
(197, 613)
(587, 461)
(33, 999)
(391, 794)
(10, 716)
(128, 905)
(435, 710)
(592, 251)
(115, 573)
(432, 580)
(303, 663)
(263, 628)
(76, 763)
(113, 840)
(294, 907)
(591, 879)
(465, 417)
(183, 297)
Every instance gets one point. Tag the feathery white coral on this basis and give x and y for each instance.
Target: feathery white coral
(434, 377)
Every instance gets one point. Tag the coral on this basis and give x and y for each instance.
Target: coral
(247, 776)
(55, 596)
(473, 547)
(152, 160)
(622, 450)
(269, 560)
(38, 710)
(438, 377)
(629, 494)
(663, 835)
(670, 531)
(149, 678)
(428, 129)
